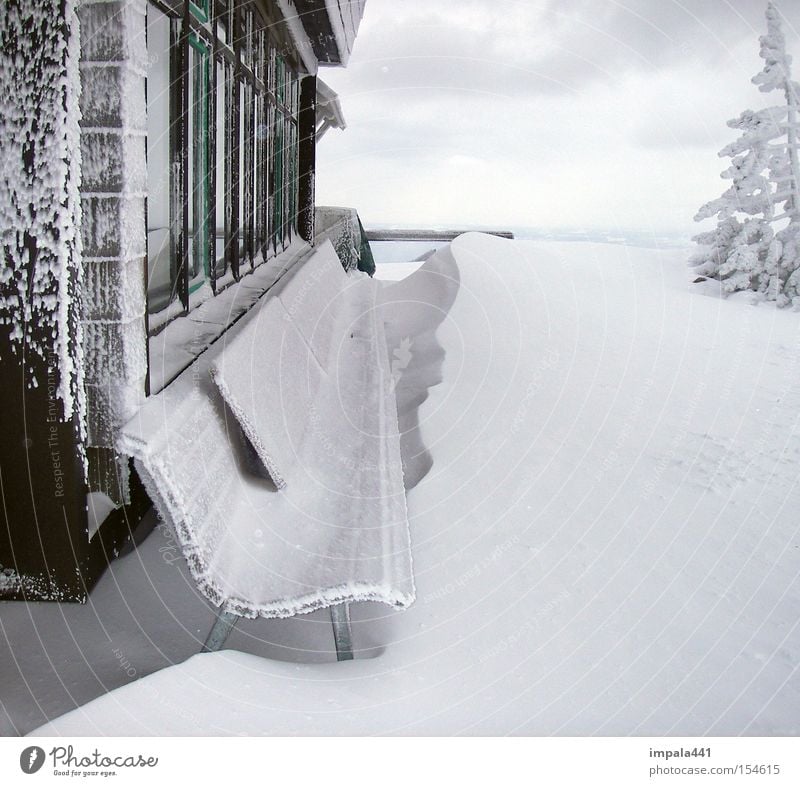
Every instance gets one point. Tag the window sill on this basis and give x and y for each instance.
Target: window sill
(184, 338)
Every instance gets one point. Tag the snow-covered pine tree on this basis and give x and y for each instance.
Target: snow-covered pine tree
(765, 187)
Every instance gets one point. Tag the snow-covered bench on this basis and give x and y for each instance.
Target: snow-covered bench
(276, 457)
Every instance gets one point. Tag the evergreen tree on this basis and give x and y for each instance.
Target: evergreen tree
(765, 183)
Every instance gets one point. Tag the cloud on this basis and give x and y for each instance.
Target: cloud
(529, 48)
(547, 113)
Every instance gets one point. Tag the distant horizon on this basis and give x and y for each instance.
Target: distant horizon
(613, 235)
(574, 117)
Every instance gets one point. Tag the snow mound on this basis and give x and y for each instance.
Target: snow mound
(314, 397)
(603, 518)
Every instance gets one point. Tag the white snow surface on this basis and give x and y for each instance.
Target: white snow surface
(315, 399)
(182, 340)
(602, 486)
(98, 506)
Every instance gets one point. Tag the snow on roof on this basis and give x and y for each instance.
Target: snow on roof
(329, 109)
(295, 27)
(331, 26)
(345, 18)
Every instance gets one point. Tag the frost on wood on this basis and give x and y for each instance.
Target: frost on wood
(33, 585)
(341, 226)
(749, 253)
(344, 18)
(39, 200)
(9, 580)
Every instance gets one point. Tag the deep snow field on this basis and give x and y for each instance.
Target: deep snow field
(602, 470)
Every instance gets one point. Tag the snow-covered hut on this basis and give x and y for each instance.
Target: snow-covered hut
(158, 162)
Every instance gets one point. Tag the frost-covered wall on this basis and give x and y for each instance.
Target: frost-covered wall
(39, 201)
(113, 144)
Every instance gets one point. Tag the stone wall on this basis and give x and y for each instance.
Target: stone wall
(114, 183)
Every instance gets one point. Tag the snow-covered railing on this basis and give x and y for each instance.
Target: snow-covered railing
(342, 227)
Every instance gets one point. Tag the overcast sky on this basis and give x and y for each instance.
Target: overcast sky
(594, 114)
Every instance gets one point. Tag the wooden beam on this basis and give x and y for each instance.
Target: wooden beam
(307, 157)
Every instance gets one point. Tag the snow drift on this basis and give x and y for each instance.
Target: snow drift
(603, 517)
(306, 376)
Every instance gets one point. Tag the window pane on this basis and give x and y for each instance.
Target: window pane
(222, 29)
(259, 55)
(243, 189)
(263, 176)
(270, 173)
(160, 269)
(247, 39)
(277, 212)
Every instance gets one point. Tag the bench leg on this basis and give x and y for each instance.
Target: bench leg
(219, 633)
(342, 633)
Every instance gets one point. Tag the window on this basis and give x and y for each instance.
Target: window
(222, 174)
(160, 248)
(221, 149)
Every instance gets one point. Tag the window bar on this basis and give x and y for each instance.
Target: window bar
(263, 172)
(199, 148)
(287, 173)
(296, 147)
(251, 158)
(263, 146)
(281, 151)
(180, 162)
(293, 208)
(258, 157)
(246, 119)
(287, 211)
(211, 146)
(255, 199)
(276, 155)
(229, 193)
(270, 172)
(248, 169)
(234, 135)
(278, 177)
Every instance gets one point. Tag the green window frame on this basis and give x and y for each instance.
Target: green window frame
(200, 9)
(232, 150)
